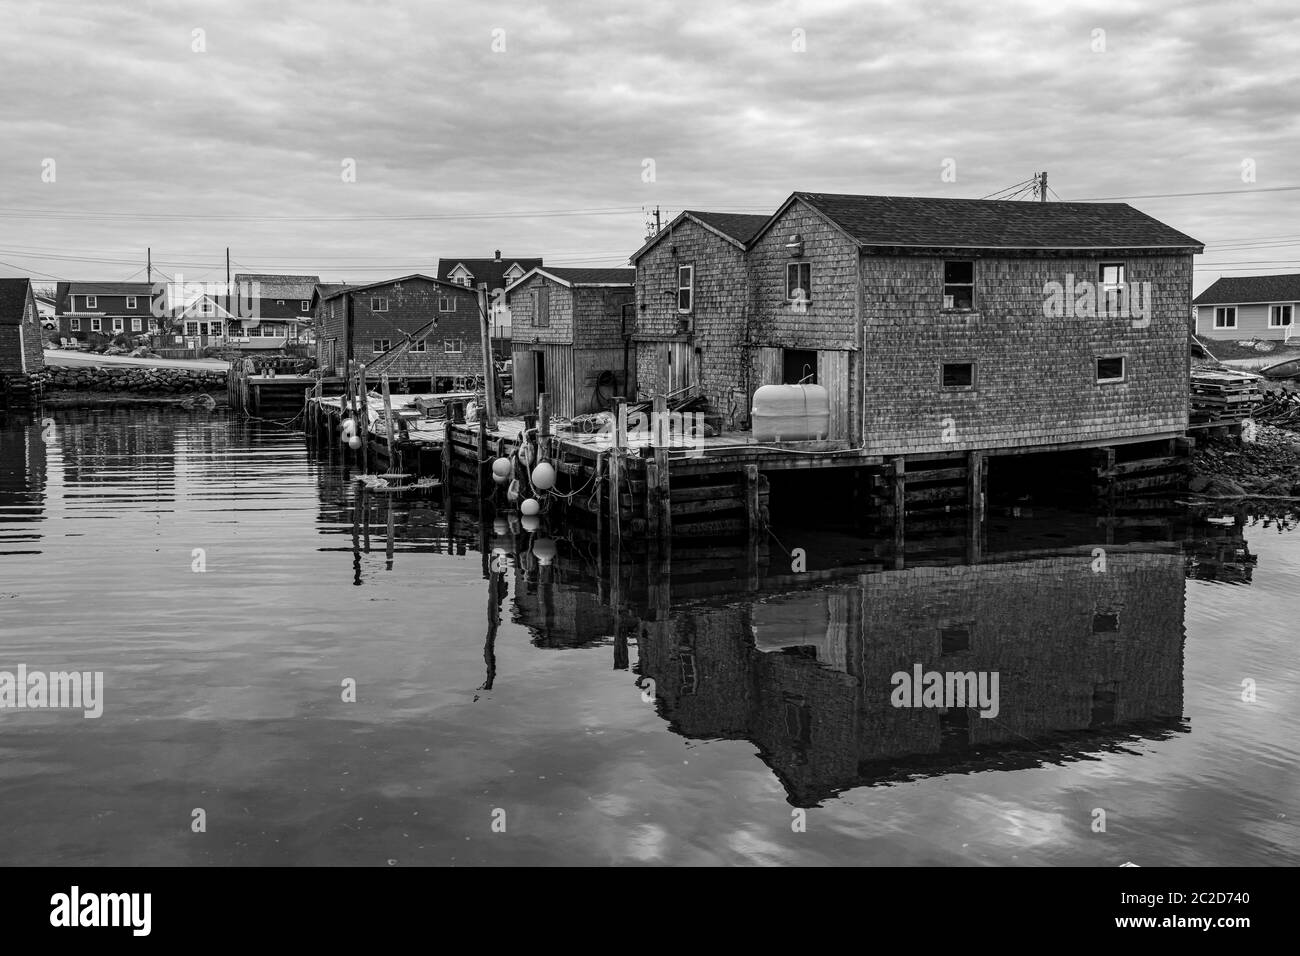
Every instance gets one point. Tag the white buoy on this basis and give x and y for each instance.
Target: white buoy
(544, 548)
(500, 479)
(530, 507)
(544, 476)
(530, 522)
(354, 442)
(501, 468)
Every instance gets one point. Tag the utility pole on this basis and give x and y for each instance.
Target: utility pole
(657, 225)
(149, 264)
(489, 366)
(1042, 186)
(227, 270)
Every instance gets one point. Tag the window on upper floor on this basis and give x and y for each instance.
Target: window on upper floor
(92, 302)
(542, 307)
(379, 303)
(685, 288)
(959, 284)
(1279, 316)
(798, 282)
(418, 346)
(453, 345)
(446, 303)
(1225, 317)
(379, 345)
(305, 304)
(130, 302)
(1110, 280)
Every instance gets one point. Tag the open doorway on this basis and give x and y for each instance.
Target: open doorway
(539, 377)
(798, 366)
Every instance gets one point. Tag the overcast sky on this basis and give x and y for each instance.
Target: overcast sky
(238, 144)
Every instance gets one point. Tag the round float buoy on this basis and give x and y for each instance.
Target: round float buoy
(354, 442)
(529, 507)
(530, 522)
(544, 548)
(501, 468)
(500, 479)
(544, 476)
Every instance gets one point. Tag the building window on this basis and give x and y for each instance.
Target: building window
(92, 302)
(305, 304)
(1110, 369)
(279, 301)
(798, 282)
(379, 345)
(957, 375)
(1225, 317)
(130, 302)
(452, 346)
(1105, 622)
(542, 307)
(96, 325)
(417, 346)
(215, 328)
(74, 325)
(137, 325)
(191, 328)
(685, 288)
(959, 284)
(446, 303)
(378, 303)
(206, 308)
(1279, 316)
(118, 325)
(153, 325)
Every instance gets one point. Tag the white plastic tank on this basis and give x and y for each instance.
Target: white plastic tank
(791, 413)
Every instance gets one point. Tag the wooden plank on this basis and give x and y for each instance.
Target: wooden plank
(939, 493)
(705, 492)
(702, 507)
(938, 474)
(900, 509)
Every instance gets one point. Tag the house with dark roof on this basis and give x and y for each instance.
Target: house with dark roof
(280, 307)
(21, 351)
(571, 338)
(692, 287)
(1249, 307)
(87, 310)
(431, 327)
(943, 326)
(497, 273)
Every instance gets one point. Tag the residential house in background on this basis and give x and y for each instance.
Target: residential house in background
(497, 273)
(692, 304)
(47, 308)
(363, 323)
(204, 320)
(1249, 307)
(943, 325)
(21, 352)
(88, 309)
(282, 305)
(570, 337)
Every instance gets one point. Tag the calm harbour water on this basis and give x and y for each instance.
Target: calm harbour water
(695, 727)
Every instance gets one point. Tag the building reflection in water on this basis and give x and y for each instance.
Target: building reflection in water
(23, 477)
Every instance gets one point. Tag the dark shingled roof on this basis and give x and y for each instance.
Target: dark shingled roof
(994, 224)
(491, 271)
(594, 276)
(1238, 289)
(143, 289)
(738, 226)
(278, 286)
(13, 299)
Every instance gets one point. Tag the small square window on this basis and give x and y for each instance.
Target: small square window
(958, 375)
(954, 638)
(1105, 622)
(1110, 369)
(379, 303)
(130, 302)
(959, 284)
(446, 303)
(306, 304)
(279, 301)
(417, 346)
(1225, 317)
(379, 345)
(452, 345)
(92, 302)
(1279, 316)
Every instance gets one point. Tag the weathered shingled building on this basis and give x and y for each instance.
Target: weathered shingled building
(936, 325)
(692, 310)
(362, 323)
(567, 338)
(21, 352)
